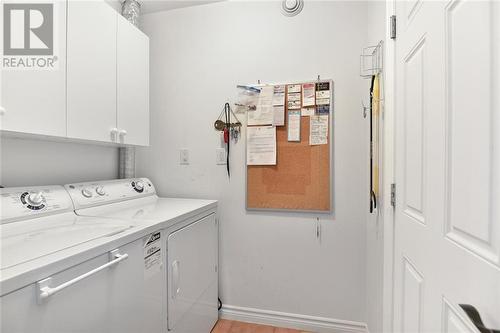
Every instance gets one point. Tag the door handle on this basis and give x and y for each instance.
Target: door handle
(175, 279)
(475, 317)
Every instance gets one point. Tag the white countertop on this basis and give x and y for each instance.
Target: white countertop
(122, 222)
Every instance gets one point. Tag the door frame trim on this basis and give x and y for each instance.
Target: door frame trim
(388, 175)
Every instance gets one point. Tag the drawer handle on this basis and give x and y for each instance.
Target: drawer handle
(45, 291)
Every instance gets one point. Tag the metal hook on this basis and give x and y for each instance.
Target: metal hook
(365, 108)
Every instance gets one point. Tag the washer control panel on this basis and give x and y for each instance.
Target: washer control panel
(22, 202)
(91, 194)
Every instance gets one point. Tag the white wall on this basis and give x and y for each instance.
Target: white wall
(39, 162)
(198, 55)
(375, 25)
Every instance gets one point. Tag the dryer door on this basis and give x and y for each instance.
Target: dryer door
(192, 277)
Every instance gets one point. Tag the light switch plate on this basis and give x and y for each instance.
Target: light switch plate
(184, 156)
(220, 156)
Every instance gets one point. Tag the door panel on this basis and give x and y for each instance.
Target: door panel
(91, 70)
(133, 84)
(192, 282)
(412, 297)
(469, 138)
(414, 129)
(447, 237)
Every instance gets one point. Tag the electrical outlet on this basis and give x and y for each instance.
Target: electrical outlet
(220, 156)
(184, 156)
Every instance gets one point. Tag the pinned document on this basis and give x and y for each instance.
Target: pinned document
(279, 115)
(293, 97)
(307, 112)
(279, 95)
(294, 126)
(318, 130)
(308, 94)
(261, 145)
(263, 114)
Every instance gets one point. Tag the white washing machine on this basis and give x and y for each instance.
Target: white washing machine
(62, 273)
(189, 231)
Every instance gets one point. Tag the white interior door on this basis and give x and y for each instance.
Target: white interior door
(447, 247)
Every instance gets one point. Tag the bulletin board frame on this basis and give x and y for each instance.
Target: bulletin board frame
(331, 151)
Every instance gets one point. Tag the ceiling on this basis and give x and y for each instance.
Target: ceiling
(151, 6)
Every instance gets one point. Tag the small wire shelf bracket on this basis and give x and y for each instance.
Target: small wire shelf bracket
(371, 60)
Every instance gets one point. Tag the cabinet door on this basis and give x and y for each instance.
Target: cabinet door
(34, 100)
(91, 70)
(192, 277)
(133, 84)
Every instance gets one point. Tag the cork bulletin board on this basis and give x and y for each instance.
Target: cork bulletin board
(301, 179)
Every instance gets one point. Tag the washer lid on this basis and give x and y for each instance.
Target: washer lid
(148, 210)
(27, 240)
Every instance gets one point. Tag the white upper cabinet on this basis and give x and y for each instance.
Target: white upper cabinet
(133, 84)
(91, 77)
(98, 89)
(34, 100)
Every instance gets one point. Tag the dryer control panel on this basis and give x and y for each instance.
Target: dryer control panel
(18, 203)
(97, 193)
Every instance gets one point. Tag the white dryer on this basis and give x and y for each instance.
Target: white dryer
(62, 273)
(189, 230)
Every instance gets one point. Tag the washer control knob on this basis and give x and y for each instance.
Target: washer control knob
(36, 198)
(138, 186)
(100, 190)
(87, 193)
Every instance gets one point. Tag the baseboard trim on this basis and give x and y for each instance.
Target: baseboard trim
(291, 320)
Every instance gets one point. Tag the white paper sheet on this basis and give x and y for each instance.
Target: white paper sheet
(261, 145)
(318, 126)
(294, 126)
(279, 95)
(308, 94)
(263, 115)
(294, 102)
(308, 112)
(279, 115)
(323, 94)
(294, 88)
(323, 101)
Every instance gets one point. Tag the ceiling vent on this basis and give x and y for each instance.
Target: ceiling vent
(291, 7)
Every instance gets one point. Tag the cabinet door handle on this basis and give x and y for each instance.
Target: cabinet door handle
(114, 132)
(45, 291)
(475, 317)
(175, 279)
(2, 110)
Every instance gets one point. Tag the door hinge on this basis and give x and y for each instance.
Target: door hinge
(393, 195)
(393, 26)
